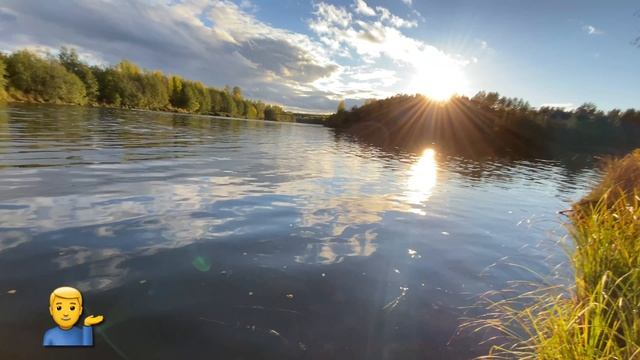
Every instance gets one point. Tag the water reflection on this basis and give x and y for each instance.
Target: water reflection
(139, 209)
(423, 176)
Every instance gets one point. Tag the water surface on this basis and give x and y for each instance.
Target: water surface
(230, 239)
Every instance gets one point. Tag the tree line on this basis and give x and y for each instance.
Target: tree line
(489, 123)
(65, 79)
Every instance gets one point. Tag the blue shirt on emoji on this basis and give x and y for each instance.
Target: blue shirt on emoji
(76, 336)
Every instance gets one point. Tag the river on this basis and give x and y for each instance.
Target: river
(199, 237)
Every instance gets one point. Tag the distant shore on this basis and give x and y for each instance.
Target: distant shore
(310, 119)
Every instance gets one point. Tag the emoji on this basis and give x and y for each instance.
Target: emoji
(65, 307)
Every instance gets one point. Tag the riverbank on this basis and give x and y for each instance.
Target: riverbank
(598, 317)
(488, 124)
(297, 118)
(28, 77)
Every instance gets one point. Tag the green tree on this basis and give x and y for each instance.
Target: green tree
(204, 101)
(252, 113)
(274, 113)
(66, 79)
(128, 68)
(23, 69)
(109, 81)
(44, 79)
(131, 91)
(216, 100)
(175, 91)
(342, 106)
(249, 110)
(240, 111)
(63, 86)
(3, 81)
(189, 97)
(237, 93)
(71, 61)
(124, 85)
(228, 105)
(155, 91)
(260, 106)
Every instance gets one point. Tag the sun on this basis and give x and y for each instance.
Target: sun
(439, 81)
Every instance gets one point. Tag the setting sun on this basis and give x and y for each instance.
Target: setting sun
(439, 82)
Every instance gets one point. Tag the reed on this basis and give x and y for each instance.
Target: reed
(598, 315)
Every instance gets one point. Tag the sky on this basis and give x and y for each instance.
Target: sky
(308, 54)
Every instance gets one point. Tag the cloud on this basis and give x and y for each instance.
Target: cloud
(333, 15)
(7, 16)
(592, 30)
(380, 41)
(223, 42)
(393, 20)
(217, 42)
(372, 40)
(408, 2)
(361, 7)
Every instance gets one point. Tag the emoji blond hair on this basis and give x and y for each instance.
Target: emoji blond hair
(65, 292)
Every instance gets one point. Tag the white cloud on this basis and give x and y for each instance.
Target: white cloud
(419, 15)
(354, 52)
(592, 30)
(362, 8)
(377, 41)
(248, 5)
(218, 42)
(333, 15)
(393, 20)
(408, 2)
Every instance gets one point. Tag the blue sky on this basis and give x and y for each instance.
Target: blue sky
(306, 55)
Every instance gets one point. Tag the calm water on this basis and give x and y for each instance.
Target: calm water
(229, 239)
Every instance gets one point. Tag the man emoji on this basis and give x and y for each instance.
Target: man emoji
(65, 306)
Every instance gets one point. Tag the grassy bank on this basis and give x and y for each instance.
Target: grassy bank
(598, 317)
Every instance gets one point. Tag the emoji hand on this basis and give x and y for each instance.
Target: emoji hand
(93, 320)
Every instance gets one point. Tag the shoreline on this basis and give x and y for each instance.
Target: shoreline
(166, 111)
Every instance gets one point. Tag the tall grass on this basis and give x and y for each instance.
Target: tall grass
(598, 317)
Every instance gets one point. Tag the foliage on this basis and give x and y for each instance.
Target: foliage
(597, 318)
(43, 79)
(66, 79)
(228, 105)
(3, 81)
(488, 124)
(70, 60)
(275, 113)
(621, 177)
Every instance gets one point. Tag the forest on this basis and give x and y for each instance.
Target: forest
(488, 124)
(64, 79)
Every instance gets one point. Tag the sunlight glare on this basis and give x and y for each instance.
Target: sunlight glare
(422, 178)
(439, 82)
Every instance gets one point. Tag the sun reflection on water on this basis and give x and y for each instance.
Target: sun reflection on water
(422, 179)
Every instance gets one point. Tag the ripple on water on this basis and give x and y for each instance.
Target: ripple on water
(165, 220)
